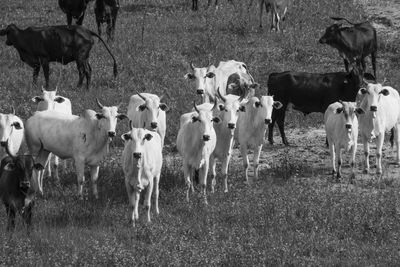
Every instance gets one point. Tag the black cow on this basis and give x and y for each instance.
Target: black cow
(17, 187)
(74, 9)
(353, 43)
(106, 11)
(310, 92)
(38, 46)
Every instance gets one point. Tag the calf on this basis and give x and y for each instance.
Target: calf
(106, 11)
(341, 126)
(353, 43)
(252, 123)
(11, 133)
(38, 46)
(141, 162)
(49, 100)
(195, 142)
(146, 111)
(381, 105)
(74, 9)
(18, 186)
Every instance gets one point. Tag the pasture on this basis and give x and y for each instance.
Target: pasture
(293, 215)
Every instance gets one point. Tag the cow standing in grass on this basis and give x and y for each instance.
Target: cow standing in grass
(381, 105)
(106, 11)
(341, 126)
(11, 133)
(278, 9)
(74, 9)
(142, 162)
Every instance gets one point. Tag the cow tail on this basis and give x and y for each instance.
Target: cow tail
(109, 51)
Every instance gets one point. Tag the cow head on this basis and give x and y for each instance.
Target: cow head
(48, 100)
(229, 110)
(349, 111)
(331, 34)
(370, 96)
(108, 118)
(150, 111)
(9, 126)
(204, 79)
(12, 34)
(263, 107)
(205, 119)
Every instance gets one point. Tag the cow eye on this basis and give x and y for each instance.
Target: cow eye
(221, 107)
(363, 91)
(194, 119)
(142, 107)
(99, 116)
(59, 99)
(148, 137)
(17, 125)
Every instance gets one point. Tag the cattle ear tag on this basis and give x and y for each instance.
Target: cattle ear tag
(216, 120)
(99, 116)
(9, 167)
(384, 92)
(148, 137)
(277, 105)
(339, 110)
(163, 107)
(38, 166)
(37, 99)
(59, 99)
(242, 108)
(17, 125)
(126, 136)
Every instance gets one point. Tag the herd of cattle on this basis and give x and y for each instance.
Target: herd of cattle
(232, 109)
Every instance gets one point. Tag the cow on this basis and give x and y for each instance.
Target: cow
(310, 92)
(38, 46)
(381, 106)
(353, 43)
(106, 11)
(146, 111)
(341, 126)
(278, 10)
(209, 79)
(141, 163)
(49, 100)
(252, 123)
(11, 133)
(74, 9)
(83, 138)
(18, 186)
(196, 141)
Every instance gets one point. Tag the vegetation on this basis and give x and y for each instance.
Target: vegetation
(293, 215)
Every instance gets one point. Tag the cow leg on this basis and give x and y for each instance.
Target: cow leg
(48, 166)
(80, 20)
(333, 157)
(81, 69)
(27, 215)
(346, 64)
(11, 217)
(203, 180)
(80, 173)
(69, 19)
(187, 172)
(225, 164)
(94, 174)
(43, 159)
(256, 160)
(156, 191)
(366, 154)
(363, 65)
(281, 123)
(353, 160)
(373, 61)
(396, 136)
(339, 159)
(147, 200)
(379, 145)
(36, 70)
(213, 163)
(109, 29)
(245, 157)
(114, 21)
(98, 26)
(88, 73)
(277, 20)
(56, 163)
(261, 11)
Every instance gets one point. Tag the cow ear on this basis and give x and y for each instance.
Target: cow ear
(277, 105)
(384, 92)
(194, 119)
(126, 136)
(121, 116)
(99, 116)
(339, 110)
(38, 166)
(369, 76)
(258, 104)
(142, 107)
(164, 107)
(242, 108)
(221, 107)
(210, 75)
(216, 120)
(9, 166)
(59, 99)
(17, 125)
(148, 137)
(360, 111)
(37, 99)
(363, 91)
(189, 76)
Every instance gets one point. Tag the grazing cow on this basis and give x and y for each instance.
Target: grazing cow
(74, 9)
(353, 43)
(381, 105)
(141, 162)
(18, 186)
(252, 123)
(278, 10)
(310, 92)
(38, 46)
(83, 138)
(208, 80)
(49, 100)
(146, 111)
(341, 126)
(195, 142)
(106, 11)
(11, 133)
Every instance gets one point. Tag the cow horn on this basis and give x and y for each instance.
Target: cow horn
(8, 150)
(384, 80)
(43, 89)
(341, 102)
(130, 124)
(162, 96)
(195, 108)
(12, 110)
(142, 97)
(221, 96)
(191, 65)
(98, 103)
(365, 81)
(215, 104)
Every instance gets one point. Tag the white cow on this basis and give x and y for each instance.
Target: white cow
(209, 79)
(195, 142)
(83, 138)
(381, 105)
(49, 100)
(252, 123)
(11, 133)
(341, 126)
(146, 111)
(141, 162)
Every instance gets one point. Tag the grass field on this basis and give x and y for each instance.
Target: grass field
(294, 215)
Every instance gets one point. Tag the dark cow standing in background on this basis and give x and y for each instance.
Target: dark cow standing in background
(74, 9)
(353, 43)
(38, 46)
(106, 11)
(17, 187)
(278, 9)
(310, 92)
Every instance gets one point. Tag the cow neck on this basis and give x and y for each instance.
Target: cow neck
(100, 137)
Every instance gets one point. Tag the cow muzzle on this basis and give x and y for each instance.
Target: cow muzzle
(374, 108)
(231, 126)
(137, 155)
(153, 125)
(348, 126)
(206, 137)
(200, 91)
(267, 121)
(111, 134)
(24, 185)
